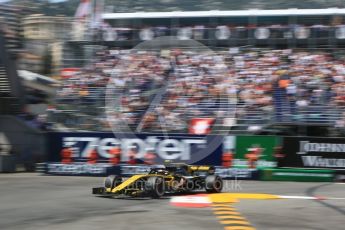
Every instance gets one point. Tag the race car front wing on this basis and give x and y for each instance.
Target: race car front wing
(99, 191)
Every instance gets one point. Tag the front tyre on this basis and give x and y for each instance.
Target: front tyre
(155, 187)
(213, 184)
(112, 181)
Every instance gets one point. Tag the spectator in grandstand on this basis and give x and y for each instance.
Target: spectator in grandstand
(341, 122)
(196, 84)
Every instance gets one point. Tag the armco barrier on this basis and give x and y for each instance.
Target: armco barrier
(84, 169)
(225, 173)
(237, 173)
(79, 169)
(340, 175)
(99, 169)
(295, 174)
(130, 170)
(7, 164)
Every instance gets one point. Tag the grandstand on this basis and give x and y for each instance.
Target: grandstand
(260, 99)
(284, 66)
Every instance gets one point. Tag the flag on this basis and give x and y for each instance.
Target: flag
(83, 10)
(69, 72)
(97, 11)
(201, 126)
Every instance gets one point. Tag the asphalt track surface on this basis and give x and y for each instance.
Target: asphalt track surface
(32, 201)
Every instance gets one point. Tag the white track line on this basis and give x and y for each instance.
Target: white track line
(298, 197)
(312, 197)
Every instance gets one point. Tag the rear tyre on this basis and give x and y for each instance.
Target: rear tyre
(190, 185)
(213, 184)
(155, 187)
(112, 181)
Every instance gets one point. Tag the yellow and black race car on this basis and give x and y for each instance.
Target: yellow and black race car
(171, 178)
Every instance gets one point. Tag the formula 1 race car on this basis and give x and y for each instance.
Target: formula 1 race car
(172, 178)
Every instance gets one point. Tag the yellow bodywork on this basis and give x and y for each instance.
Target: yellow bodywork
(199, 168)
(127, 182)
(133, 179)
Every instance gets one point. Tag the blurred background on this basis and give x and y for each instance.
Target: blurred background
(280, 63)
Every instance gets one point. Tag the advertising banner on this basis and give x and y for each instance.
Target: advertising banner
(237, 173)
(104, 169)
(98, 169)
(308, 152)
(263, 146)
(80, 169)
(225, 173)
(190, 149)
(130, 170)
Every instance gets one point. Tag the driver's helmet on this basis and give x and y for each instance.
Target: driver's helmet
(167, 162)
(183, 171)
(162, 171)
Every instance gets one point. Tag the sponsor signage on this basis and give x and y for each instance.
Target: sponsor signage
(130, 170)
(104, 169)
(225, 173)
(237, 173)
(77, 169)
(191, 149)
(314, 152)
(265, 145)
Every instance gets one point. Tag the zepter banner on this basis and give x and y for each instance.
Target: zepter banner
(176, 148)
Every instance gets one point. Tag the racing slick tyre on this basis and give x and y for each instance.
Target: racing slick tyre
(213, 184)
(112, 181)
(155, 187)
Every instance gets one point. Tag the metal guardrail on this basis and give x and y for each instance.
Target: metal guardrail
(249, 117)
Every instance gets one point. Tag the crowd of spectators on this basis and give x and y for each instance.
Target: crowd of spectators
(163, 90)
(82, 93)
(137, 78)
(296, 85)
(129, 78)
(313, 82)
(198, 86)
